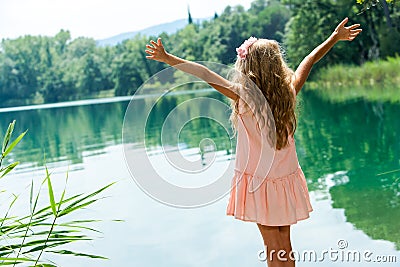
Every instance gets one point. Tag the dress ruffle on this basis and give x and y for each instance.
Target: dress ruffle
(270, 201)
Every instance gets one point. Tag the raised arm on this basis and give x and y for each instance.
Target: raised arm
(341, 33)
(156, 51)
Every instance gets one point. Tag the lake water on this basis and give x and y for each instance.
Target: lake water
(350, 154)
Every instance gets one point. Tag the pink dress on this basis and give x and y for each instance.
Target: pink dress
(267, 188)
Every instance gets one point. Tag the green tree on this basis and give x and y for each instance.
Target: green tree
(92, 77)
(313, 21)
(190, 19)
(24, 60)
(130, 67)
(54, 88)
(60, 41)
(270, 18)
(389, 31)
(186, 43)
(81, 70)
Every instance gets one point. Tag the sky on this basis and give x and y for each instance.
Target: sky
(99, 19)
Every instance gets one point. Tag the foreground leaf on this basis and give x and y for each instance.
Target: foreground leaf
(51, 193)
(7, 137)
(13, 144)
(8, 168)
(78, 254)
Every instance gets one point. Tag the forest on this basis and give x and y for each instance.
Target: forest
(46, 69)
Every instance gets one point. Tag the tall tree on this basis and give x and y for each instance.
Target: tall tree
(190, 19)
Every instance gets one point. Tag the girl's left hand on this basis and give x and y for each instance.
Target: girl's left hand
(347, 33)
(156, 51)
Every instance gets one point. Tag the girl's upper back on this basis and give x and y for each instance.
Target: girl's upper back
(256, 154)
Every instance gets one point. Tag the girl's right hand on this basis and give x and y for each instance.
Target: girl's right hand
(156, 51)
(343, 33)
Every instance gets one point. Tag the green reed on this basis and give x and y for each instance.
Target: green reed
(26, 239)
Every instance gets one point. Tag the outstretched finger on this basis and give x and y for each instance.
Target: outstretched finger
(152, 48)
(153, 43)
(149, 52)
(355, 32)
(353, 26)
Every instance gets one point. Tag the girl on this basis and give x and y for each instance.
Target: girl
(280, 198)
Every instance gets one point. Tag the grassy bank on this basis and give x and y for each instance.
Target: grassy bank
(373, 81)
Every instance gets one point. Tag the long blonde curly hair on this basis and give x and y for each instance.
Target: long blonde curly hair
(265, 68)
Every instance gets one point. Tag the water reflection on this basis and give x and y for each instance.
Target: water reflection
(70, 133)
(66, 133)
(359, 140)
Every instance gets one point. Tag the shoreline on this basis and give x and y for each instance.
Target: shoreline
(95, 101)
(372, 81)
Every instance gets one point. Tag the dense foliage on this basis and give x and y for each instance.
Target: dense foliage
(37, 69)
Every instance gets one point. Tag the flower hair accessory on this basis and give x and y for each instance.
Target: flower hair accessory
(243, 50)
